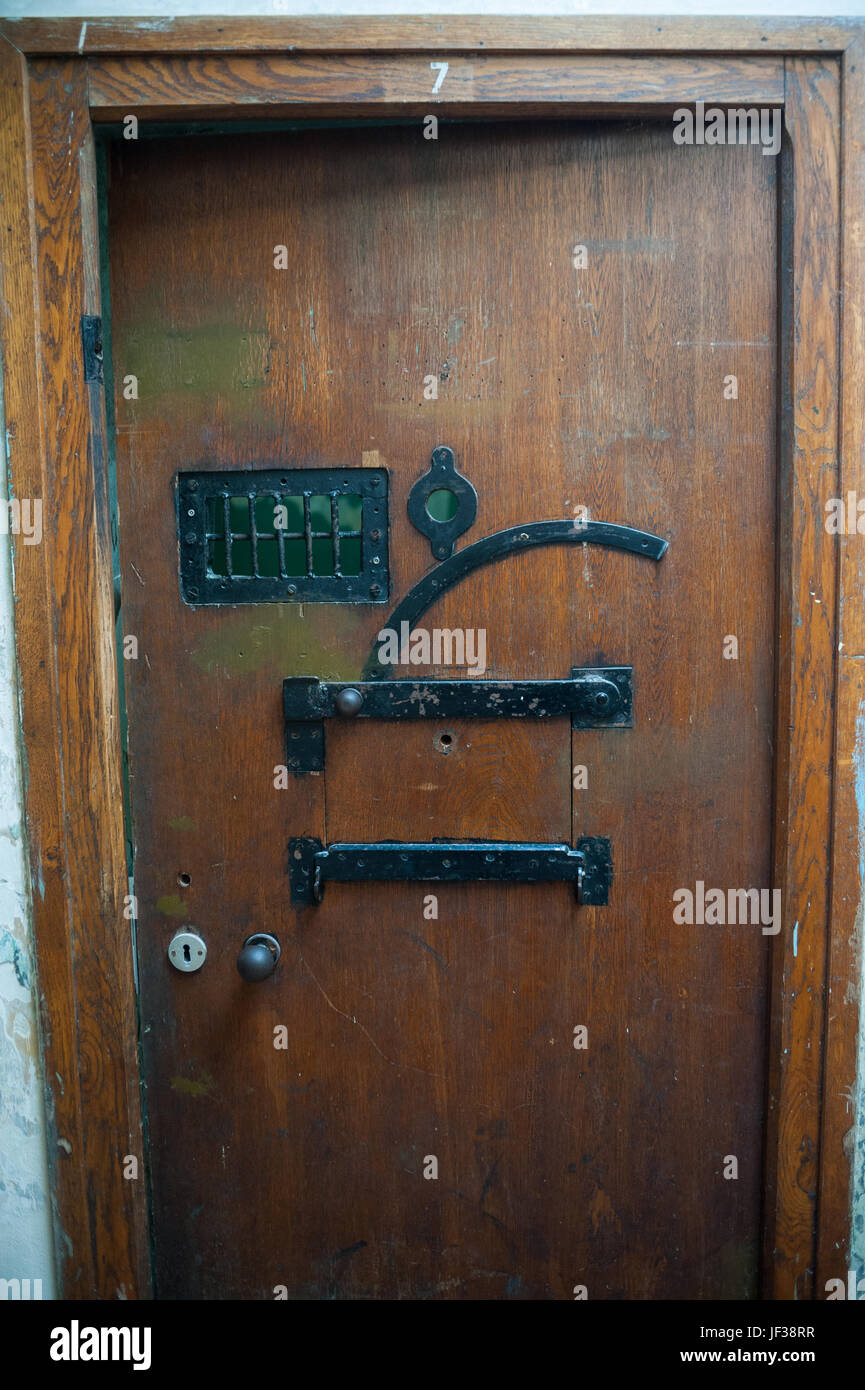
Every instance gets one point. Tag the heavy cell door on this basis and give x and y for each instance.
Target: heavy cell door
(446, 496)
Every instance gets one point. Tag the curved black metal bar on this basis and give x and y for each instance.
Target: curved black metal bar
(497, 547)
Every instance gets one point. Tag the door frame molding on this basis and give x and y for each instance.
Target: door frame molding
(60, 77)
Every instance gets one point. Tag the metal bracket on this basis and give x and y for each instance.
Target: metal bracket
(595, 697)
(91, 343)
(442, 475)
(311, 865)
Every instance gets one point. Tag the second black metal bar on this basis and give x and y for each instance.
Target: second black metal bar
(311, 864)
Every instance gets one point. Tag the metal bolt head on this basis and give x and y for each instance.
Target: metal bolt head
(349, 701)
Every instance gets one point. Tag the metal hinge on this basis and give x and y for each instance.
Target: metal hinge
(91, 339)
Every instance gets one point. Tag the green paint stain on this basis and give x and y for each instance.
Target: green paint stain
(219, 358)
(327, 642)
(182, 823)
(738, 1262)
(12, 953)
(188, 1087)
(171, 906)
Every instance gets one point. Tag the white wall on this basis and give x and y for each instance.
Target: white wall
(25, 1236)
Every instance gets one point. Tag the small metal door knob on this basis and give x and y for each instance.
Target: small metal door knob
(258, 958)
(349, 701)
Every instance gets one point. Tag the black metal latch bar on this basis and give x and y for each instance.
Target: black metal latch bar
(588, 867)
(595, 697)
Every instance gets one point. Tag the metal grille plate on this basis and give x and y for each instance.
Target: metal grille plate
(283, 535)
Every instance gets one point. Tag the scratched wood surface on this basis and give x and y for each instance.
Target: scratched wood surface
(403, 84)
(69, 704)
(453, 1037)
(844, 960)
(808, 478)
(436, 33)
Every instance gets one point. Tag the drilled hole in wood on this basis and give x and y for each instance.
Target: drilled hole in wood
(445, 742)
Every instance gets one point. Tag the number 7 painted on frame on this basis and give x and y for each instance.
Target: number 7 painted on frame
(442, 74)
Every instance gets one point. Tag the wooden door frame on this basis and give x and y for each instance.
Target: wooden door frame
(60, 77)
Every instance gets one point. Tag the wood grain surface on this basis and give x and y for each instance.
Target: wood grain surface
(404, 84)
(69, 706)
(808, 569)
(844, 958)
(453, 33)
(453, 1037)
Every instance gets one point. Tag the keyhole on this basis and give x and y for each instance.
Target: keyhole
(186, 956)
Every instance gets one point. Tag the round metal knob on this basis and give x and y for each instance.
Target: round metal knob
(349, 701)
(258, 957)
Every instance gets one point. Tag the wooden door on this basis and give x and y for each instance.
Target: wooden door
(433, 292)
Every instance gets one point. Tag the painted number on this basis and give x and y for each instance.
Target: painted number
(442, 69)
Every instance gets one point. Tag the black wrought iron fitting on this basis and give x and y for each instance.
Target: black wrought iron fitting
(311, 865)
(499, 546)
(91, 344)
(283, 535)
(442, 477)
(595, 697)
